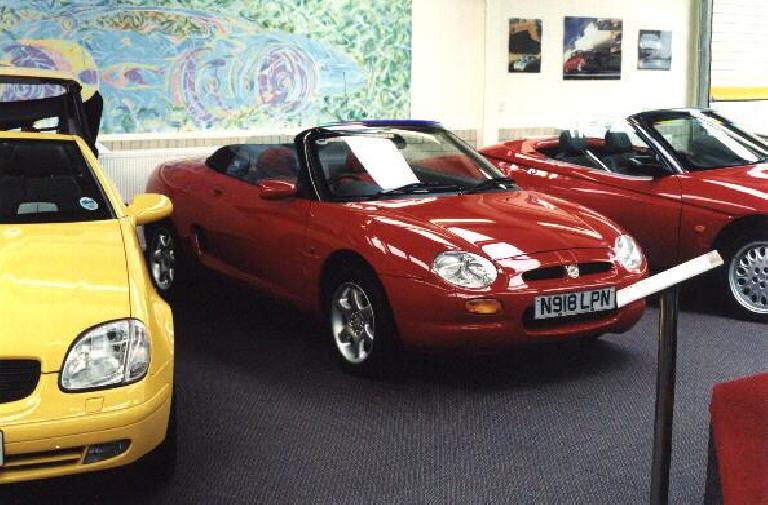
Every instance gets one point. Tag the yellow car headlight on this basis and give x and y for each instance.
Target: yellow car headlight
(111, 354)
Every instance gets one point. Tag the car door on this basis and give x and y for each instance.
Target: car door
(210, 194)
(264, 236)
(647, 206)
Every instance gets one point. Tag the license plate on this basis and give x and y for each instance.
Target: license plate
(570, 304)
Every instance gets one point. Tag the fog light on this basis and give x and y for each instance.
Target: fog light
(101, 452)
(484, 306)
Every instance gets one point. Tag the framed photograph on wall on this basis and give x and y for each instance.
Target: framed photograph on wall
(654, 50)
(525, 45)
(592, 48)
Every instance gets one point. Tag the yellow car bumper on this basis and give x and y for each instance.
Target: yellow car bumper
(39, 445)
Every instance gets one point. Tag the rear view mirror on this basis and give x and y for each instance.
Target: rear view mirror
(276, 189)
(150, 207)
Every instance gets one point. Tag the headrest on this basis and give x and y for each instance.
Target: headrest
(277, 163)
(617, 142)
(570, 144)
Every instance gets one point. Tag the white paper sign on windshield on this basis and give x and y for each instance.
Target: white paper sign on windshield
(382, 160)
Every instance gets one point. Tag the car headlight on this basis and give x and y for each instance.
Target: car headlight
(628, 253)
(465, 269)
(111, 354)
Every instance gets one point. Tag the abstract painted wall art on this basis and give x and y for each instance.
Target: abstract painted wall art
(592, 48)
(178, 65)
(524, 45)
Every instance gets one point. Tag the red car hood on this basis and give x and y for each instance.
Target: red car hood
(734, 190)
(512, 224)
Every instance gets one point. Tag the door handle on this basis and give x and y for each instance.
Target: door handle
(217, 192)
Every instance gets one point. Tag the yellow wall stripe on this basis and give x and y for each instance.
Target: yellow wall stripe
(734, 93)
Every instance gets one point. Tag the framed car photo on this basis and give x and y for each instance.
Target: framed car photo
(654, 50)
(592, 48)
(525, 45)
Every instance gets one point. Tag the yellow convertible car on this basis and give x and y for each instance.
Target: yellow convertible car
(86, 344)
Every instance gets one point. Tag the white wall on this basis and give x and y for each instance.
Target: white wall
(448, 61)
(739, 43)
(545, 99)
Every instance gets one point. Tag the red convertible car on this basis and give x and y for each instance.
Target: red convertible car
(398, 234)
(681, 181)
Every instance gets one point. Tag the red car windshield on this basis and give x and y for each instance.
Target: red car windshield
(374, 161)
(705, 140)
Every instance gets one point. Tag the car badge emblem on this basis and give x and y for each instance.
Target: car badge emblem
(572, 271)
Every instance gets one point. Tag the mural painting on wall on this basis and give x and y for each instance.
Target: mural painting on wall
(223, 64)
(524, 45)
(592, 48)
(654, 50)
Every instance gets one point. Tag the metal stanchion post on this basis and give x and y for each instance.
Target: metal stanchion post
(665, 397)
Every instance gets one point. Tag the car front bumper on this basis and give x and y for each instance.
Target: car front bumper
(50, 433)
(431, 316)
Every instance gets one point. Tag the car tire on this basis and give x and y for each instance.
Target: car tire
(744, 276)
(360, 321)
(164, 258)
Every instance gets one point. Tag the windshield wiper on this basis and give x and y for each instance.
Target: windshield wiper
(419, 187)
(492, 183)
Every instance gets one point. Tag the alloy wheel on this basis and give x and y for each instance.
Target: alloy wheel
(352, 322)
(748, 277)
(163, 259)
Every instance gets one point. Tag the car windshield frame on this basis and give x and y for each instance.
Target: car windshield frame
(104, 207)
(318, 177)
(26, 99)
(647, 121)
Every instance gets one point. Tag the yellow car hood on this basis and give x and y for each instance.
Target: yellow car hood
(57, 280)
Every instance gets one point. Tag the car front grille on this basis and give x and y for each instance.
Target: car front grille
(18, 379)
(558, 272)
(39, 461)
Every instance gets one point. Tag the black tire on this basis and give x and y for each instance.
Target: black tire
(753, 281)
(154, 234)
(383, 349)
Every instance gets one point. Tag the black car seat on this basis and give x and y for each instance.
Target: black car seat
(617, 152)
(572, 149)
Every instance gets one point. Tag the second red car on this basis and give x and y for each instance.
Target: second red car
(398, 234)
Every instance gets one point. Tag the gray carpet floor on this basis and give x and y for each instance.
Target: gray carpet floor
(267, 417)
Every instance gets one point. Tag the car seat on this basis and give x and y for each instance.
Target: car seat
(617, 152)
(277, 163)
(572, 149)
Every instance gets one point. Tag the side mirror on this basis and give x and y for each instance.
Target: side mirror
(150, 207)
(276, 189)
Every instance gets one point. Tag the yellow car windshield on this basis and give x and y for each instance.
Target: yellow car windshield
(46, 181)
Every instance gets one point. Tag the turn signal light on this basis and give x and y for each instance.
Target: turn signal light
(484, 306)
